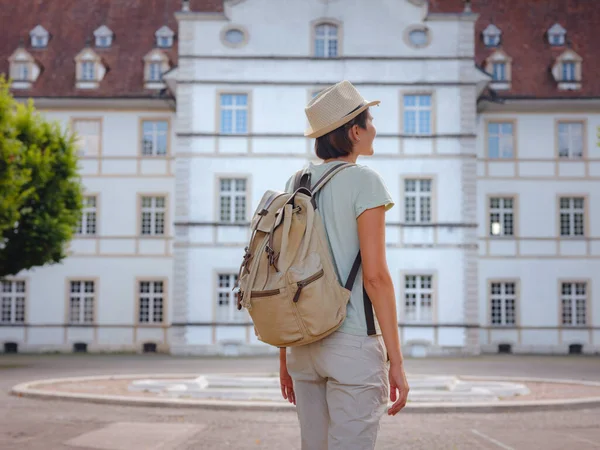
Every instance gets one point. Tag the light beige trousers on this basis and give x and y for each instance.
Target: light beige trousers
(342, 389)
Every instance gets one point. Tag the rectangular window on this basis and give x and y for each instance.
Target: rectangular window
(88, 136)
(12, 297)
(227, 311)
(417, 201)
(155, 71)
(153, 215)
(154, 137)
(82, 297)
(417, 114)
(88, 72)
(574, 303)
(500, 140)
(151, 301)
(568, 71)
(570, 140)
(87, 223)
(501, 216)
(503, 297)
(572, 216)
(418, 298)
(232, 200)
(234, 113)
(499, 72)
(326, 41)
(20, 71)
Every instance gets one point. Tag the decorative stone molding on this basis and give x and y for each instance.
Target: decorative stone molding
(24, 71)
(410, 41)
(155, 64)
(567, 71)
(234, 31)
(90, 70)
(499, 57)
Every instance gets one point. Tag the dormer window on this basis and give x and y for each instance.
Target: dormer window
(491, 36)
(164, 37)
(39, 37)
(156, 64)
(23, 69)
(89, 69)
(567, 71)
(556, 35)
(104, 37)
(498, 65)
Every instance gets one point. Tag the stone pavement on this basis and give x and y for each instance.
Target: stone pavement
(28, 424)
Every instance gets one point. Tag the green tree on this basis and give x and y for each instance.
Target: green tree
(40, 189)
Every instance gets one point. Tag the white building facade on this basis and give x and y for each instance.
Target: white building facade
(113, 291)
(243, 79)
(491, 157)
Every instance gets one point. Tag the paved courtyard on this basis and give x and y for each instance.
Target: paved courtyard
(27, 424)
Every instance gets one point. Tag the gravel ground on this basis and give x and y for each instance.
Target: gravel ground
(28, 424)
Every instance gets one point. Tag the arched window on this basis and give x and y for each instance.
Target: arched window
(326, 40)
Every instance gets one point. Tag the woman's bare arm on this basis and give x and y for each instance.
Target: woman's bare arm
(377, 279)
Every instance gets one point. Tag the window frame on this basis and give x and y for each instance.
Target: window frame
(13, 306)
(432, 197)
(584, 150)
(401, 304)
(83, 279)
(417, 27)
(96, 197)
(313, 37)
(218, 179)
(141, 137)
(72, 126)
(588, 300)
(234, 27)
(166, 230)
(515, 130)
(432, 113)
(244, 317)
(219, 114)
(517, 296)
(515, 212)
(138, 302)
(586, 217)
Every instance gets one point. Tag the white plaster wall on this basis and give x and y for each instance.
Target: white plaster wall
(375, 30)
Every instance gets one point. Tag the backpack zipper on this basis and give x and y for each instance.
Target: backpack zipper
(257, 294)
(302, 284)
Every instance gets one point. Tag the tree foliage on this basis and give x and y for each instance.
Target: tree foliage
(40, 189)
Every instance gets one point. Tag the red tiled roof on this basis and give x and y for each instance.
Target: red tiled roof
(446, 6)
(72, 22)
(524, 25)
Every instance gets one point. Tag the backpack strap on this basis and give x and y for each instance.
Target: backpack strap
(329, 175)
(301, 179)
(369, 316)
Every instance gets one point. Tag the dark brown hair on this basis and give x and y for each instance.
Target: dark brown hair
(336, 143)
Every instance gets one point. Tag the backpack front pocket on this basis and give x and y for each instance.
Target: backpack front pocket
(275, 318)
(319, 304)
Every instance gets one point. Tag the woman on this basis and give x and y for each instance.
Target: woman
(340, 385)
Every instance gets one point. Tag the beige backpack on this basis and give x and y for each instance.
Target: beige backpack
(287, 280)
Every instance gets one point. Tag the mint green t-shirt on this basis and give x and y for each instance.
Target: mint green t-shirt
(345, 197)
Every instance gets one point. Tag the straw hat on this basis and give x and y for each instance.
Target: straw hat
(334, 107)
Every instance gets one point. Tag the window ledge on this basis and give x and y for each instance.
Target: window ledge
(87, 84)
(500, 85)
(155, 85)
(21, 84)
(569, 85)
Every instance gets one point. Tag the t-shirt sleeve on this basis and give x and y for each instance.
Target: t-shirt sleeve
(371, 192)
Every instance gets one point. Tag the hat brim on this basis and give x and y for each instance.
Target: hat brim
(323, 131)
